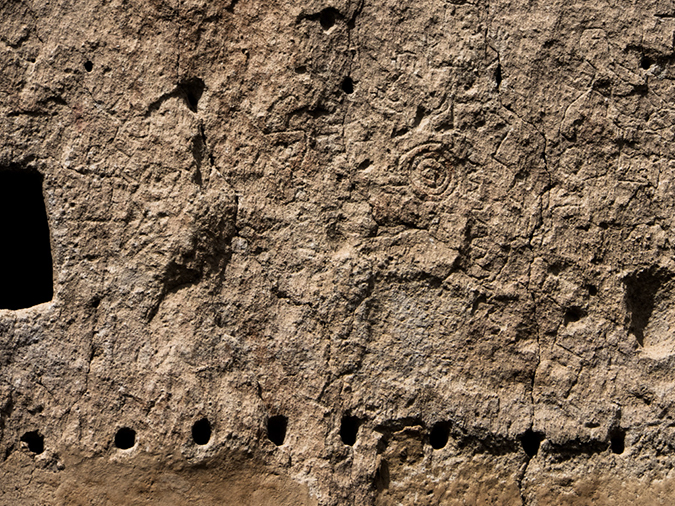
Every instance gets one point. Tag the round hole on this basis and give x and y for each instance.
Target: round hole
(347, 85)
(88, 66)
(276, 429)
(530, 442)
(646, 62)
(327, 18)
(201, 431)
(438, 437)
(125, 438)
(349, 428)
(35, 441)
(592, 290)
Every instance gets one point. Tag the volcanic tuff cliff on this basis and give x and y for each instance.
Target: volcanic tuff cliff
(326, 253)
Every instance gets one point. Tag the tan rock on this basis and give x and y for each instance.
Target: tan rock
(445, 224)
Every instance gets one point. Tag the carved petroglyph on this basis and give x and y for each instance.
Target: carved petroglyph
(429, 170)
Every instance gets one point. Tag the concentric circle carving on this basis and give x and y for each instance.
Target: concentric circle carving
(429, 170)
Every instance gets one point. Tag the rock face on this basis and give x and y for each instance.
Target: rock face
(311, 253)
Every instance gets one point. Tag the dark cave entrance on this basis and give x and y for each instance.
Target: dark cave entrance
(26, 277)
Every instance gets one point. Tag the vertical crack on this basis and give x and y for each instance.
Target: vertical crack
(544, 205)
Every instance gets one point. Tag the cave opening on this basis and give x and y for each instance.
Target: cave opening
(25, 247)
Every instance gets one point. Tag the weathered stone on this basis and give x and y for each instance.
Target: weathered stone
(341, 253)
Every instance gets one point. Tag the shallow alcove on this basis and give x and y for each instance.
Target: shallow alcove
(35, 441)
(201, 431)
(276, 429)
(349, 429)
(573, 314)
(382, 477)
(25, 255)
(125, 438)
(647, 299)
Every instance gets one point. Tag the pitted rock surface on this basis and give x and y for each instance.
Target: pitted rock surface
(356, 252)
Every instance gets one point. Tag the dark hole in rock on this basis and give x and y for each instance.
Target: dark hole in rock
(646, 62)
(276, 429)
(88, 66)
(556, 268)
(592, 290)
(573, 314)
(349, 428)
(347, 85)
(25, 256)
(617, 443)
(35, 441)
(301, 69)
(192, 91)
(365, 164)
(201, 431)
(498, 74)
(530, 442)
(438, 437)
(125, 438)
(328, 17)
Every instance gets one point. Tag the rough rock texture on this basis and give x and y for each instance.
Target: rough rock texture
(439, 230)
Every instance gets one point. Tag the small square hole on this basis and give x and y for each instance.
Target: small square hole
(26, 277)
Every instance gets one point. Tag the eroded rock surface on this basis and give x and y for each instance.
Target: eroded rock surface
(385, 252)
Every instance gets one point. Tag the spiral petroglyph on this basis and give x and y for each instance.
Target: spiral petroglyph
(429, 170)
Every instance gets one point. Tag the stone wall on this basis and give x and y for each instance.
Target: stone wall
(337, 253)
